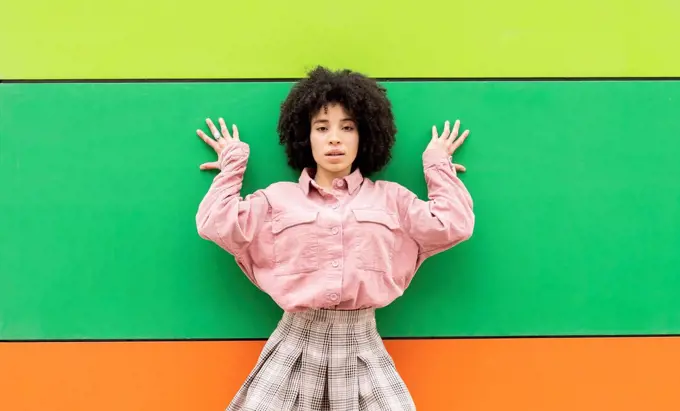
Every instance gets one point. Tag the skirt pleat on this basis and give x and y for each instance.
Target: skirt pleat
(324, 360)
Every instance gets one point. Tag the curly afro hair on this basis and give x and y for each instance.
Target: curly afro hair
(363, 98)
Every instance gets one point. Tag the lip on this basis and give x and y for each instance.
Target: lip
(335, 153)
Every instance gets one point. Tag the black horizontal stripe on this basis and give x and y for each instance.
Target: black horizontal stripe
(471, 337)
(384, 79)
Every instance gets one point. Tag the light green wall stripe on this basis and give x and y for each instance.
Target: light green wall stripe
(265, 39)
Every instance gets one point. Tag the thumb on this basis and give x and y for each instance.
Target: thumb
(214, 165)
(459, 167)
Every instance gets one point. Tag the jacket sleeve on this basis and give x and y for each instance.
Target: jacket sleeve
(224, 216)
(447, 217)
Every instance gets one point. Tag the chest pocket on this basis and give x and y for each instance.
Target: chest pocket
(376, 233)
(296, 242)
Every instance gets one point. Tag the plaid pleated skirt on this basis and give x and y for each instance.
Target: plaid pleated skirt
(324, 360)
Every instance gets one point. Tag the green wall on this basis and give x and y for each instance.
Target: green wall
(575, 184)
(73, 39)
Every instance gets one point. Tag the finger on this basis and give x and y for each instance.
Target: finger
(212, 143)
(435, 134)
(213, 129)
(461, 139)
(224, 129)
(214, 165)
(447, 130)
(459, 167)
(454, 133)
(234, 130)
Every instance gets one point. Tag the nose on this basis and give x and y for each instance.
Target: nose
(333, 138)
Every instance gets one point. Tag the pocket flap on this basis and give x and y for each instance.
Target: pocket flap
(383, 217)
(292, 218)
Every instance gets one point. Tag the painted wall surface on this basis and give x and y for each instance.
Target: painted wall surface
(565, 297)
(263, 39)
(577, 204)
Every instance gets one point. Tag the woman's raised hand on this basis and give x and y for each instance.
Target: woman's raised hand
(220, 140)
(449, 141)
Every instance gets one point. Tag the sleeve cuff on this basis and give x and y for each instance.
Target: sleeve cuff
(436, 157)
(235, 149)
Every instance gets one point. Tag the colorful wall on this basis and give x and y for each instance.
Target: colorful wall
(566, 297)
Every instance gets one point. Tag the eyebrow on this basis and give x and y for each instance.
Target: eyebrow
(326, 121)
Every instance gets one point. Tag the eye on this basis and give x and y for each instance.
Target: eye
(321, 128)
(348, 128)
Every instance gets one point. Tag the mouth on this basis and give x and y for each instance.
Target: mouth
(335, 153)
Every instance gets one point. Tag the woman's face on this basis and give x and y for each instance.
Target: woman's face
(335, 140)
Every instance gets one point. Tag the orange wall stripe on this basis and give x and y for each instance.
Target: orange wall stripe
(541, 374)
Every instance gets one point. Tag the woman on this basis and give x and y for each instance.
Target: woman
(332, 247)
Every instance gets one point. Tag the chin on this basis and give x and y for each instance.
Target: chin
(337, 168)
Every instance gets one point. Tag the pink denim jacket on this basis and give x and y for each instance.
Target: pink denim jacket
(356, 246)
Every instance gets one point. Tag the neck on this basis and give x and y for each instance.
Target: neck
(324, 178)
